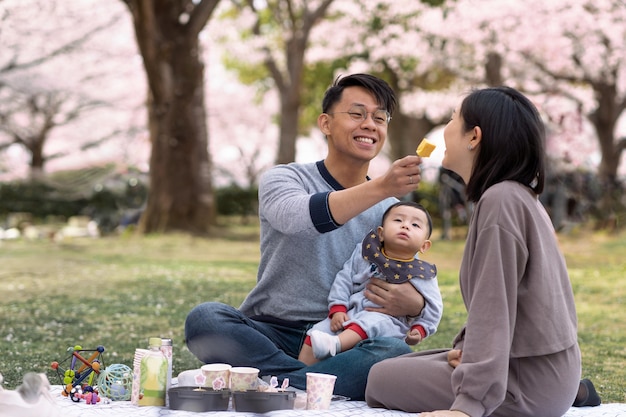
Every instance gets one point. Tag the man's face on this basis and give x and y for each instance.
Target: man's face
(353, 138)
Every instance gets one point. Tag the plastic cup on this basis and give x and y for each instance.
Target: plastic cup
(213, 371)
(319, 390)
(243, 378)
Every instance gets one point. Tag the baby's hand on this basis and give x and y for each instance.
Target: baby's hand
(413, 337)
(337, 321)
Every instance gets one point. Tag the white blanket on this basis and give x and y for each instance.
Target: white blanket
(337, 409)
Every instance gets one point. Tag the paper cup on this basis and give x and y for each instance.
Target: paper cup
(213, 371)
(300, 401)
(243, 378)
(319, 390)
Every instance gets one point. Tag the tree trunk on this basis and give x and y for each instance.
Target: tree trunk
(406, 132)
(493, 70)
(37, 159)
(181, 194)
(289, 121)
(295, 20)
(604, 119)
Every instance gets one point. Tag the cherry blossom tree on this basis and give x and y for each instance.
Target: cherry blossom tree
(586, 63)
(38, 106)
(557, 52)
(276, 35)
(355, 31)
(394, 46)
(28, 117)
(167, 34)
(566, 54)
(244, 137)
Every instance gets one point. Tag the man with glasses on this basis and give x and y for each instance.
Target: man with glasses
(311, 217)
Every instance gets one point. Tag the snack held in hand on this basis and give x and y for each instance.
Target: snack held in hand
(425, 148)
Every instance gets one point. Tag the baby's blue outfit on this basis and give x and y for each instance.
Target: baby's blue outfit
(368, 261)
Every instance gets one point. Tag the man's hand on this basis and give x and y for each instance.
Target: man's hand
(454, 357)
(394, 299)
(403, 176)
(337, 321)
(413, 337)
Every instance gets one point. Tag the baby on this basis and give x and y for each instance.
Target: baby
(388, 254)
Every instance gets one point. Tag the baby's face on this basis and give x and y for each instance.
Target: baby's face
(405, 231)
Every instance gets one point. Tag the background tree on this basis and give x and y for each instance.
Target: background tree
(181, 194)
(556, 52)
(280, 30)
(30, 31)
(431, 55)
(397, 49)
(243, 142)
(33, 104)
(590, 54)
(28, 117)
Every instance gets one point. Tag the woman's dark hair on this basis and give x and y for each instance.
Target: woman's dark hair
(385, 96)
(411, 204)
(512, 145)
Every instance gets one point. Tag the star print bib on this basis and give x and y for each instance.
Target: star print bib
(394, 271)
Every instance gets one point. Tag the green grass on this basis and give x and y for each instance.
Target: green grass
(119, 291)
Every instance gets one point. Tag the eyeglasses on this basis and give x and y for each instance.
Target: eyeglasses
(359, 114)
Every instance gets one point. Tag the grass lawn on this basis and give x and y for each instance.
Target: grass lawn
(119, 291)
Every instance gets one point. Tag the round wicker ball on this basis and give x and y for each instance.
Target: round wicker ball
(116, 382)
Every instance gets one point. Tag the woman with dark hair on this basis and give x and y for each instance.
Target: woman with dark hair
(517, 354)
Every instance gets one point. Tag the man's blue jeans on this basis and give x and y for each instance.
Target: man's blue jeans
(216, 332)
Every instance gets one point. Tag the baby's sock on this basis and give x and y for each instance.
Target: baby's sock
(324, 344)
(587, 395)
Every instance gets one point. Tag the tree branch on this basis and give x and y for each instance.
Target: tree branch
(13, 64)
(201, 15)
(310, 19)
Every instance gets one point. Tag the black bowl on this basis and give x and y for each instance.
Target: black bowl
(263, 401)
(200, 400)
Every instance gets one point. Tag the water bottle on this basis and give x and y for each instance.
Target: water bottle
(167, 349)
(153, 375)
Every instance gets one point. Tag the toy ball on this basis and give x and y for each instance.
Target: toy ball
(116, 382)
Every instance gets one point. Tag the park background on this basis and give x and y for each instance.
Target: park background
(149, 123)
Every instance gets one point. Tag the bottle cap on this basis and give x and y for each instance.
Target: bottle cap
(154, 341)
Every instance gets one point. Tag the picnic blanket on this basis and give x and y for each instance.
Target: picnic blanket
(337, 409)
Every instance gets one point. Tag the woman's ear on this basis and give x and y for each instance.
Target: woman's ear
(477, 136)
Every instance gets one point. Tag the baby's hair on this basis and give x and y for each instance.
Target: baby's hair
(411, 204)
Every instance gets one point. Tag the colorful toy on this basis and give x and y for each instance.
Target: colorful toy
(83, 376)
(116, 382)
(89, 395)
